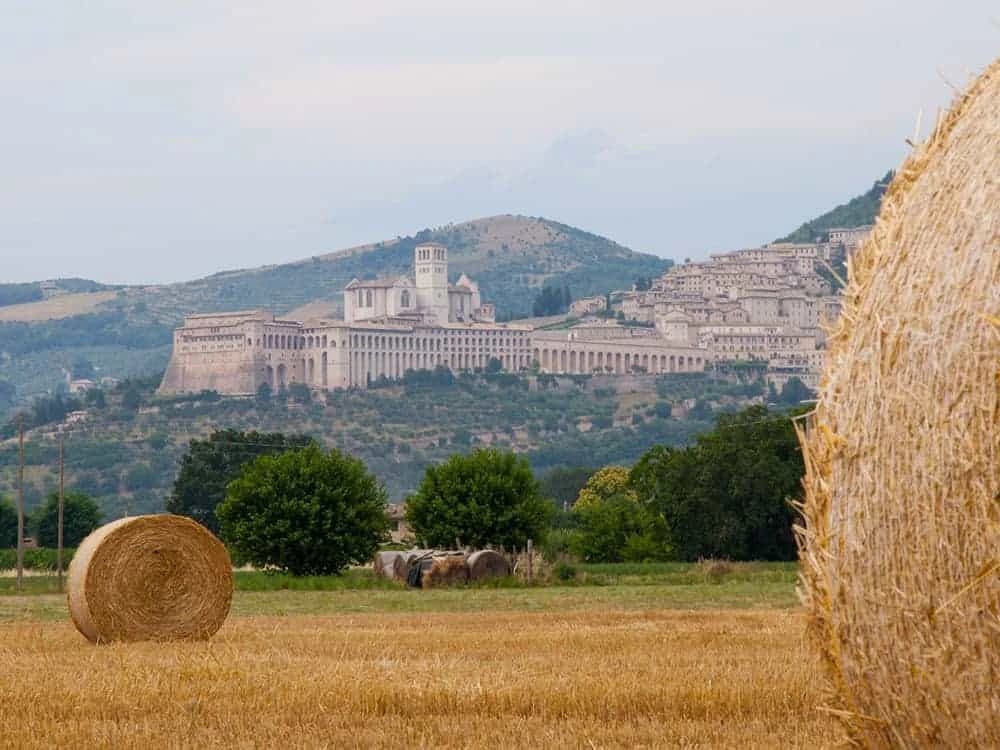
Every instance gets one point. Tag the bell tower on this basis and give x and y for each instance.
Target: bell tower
(430, 261)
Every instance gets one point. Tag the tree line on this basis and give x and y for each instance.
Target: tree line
(552, 300)
(284, 501)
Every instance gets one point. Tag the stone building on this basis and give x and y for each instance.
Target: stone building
(390, 326)
(768, 303)
(850, 237)
(399, 324)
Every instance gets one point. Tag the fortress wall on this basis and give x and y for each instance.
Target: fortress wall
(229, 372)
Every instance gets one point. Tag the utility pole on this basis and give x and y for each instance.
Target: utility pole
(20, 505)
(59, 533)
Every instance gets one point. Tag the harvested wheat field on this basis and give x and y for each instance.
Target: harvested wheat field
(718, 678)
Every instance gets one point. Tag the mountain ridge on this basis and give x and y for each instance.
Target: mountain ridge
(858, 211)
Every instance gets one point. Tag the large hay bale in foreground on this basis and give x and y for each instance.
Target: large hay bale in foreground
(147, 578)
(487, 563)
(901, 549)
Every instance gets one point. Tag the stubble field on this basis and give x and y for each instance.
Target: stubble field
(601, 667)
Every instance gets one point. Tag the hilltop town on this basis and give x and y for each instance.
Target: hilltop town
(765, 305)
(768, 305)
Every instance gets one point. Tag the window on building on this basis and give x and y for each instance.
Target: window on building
(404, 299)
(368, 298)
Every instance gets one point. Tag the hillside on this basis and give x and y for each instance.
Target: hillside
(40, 291)
(126, 456)
(510, 256)
(128, 330)
(858, 211)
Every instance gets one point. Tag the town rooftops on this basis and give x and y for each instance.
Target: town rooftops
(384, 283)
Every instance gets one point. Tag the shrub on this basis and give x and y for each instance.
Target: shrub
(488, 497)
(305, 511)
(565, 571)
(42, 559)
(8, 524)
(80, 516)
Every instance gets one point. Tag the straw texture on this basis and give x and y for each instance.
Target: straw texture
(445, 571)
(901, 544)
(159, 578)
(487, 563)
(391, 565)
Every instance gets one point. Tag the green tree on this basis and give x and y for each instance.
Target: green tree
(562, 484)
(210, 464)
(83, 369)
(305, 511)
(728, 494)
(795, 391)
(80, 516)
(617, 529)
(95, 397)
(8, 524)
(487, 497)
(131, 399)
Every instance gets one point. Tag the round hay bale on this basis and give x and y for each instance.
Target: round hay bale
(387, 564)
(400, 568)
(487, 563)
(901, 544)
(444, 571)
(150, 578)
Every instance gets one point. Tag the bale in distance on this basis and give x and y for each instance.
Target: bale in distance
(901, 543)
(487, 563)
(391, 564)
(150, 578)
(445, 571)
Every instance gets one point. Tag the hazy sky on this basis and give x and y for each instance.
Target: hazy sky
(160, 141)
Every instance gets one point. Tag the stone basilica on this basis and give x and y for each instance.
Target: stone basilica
(399, 324)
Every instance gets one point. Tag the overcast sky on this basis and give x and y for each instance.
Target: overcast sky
(162, 141)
